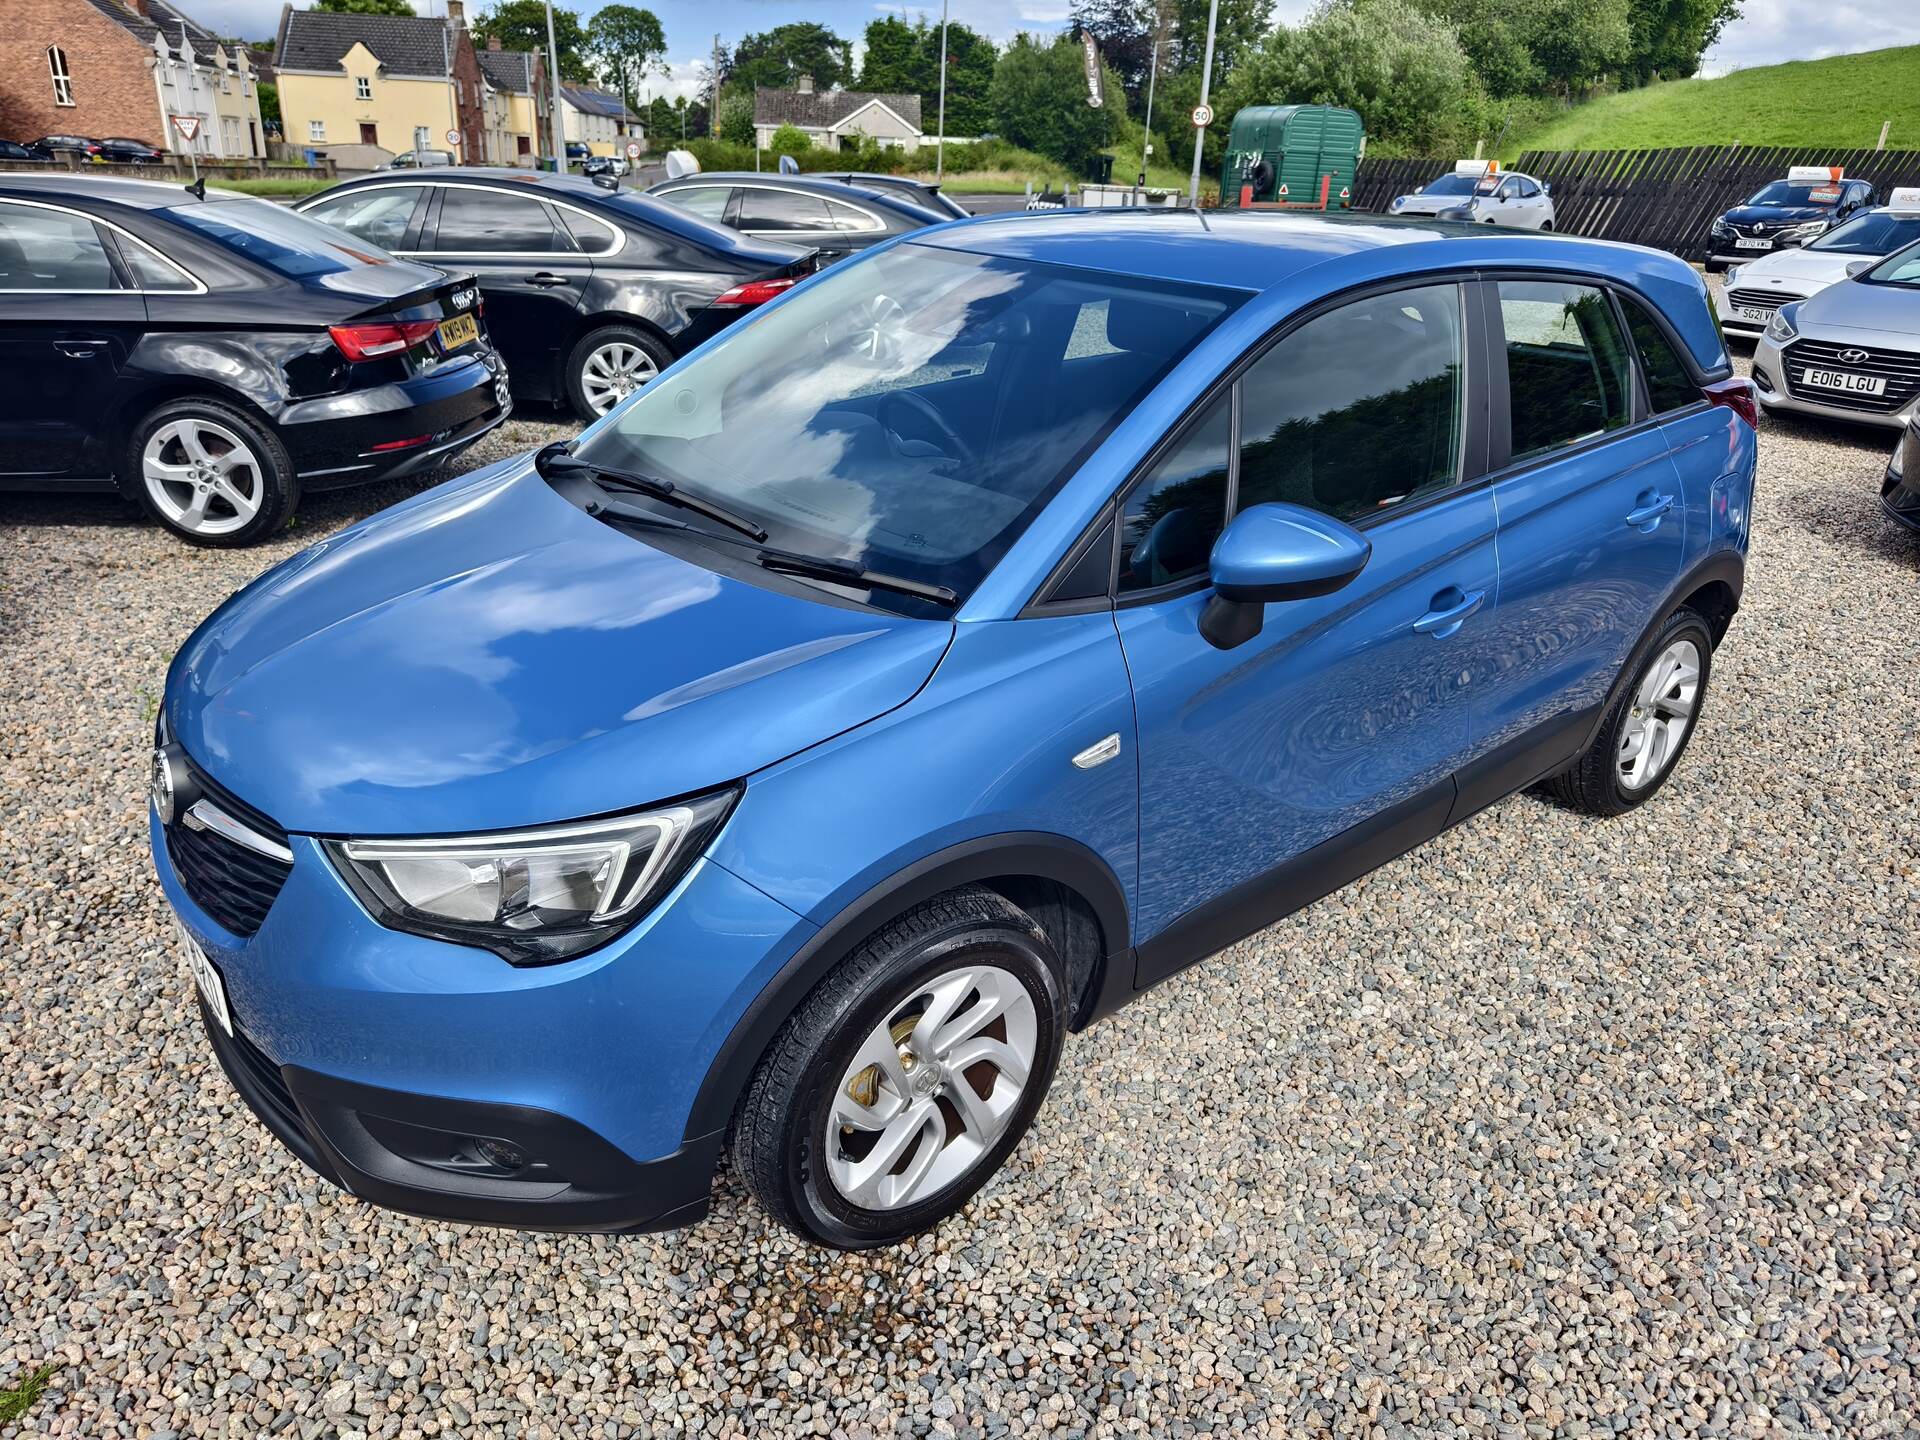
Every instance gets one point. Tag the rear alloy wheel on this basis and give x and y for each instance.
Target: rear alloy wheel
(908, 1075)
(610, 364)
(211, 474)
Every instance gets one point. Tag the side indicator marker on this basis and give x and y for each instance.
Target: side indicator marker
(1098, 753)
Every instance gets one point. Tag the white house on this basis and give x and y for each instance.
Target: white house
(831, 117)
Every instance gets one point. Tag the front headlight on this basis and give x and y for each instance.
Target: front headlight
(532, 896)
(1719, 227)
(1783, 327)
(1800, 234)
(1398, 201)
(1733, 276)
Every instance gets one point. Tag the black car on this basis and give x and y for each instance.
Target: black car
(838, 218)
(55, 147)
(590, 292)
(1900, 488)
(122, 151)
(213, 358)
(1783, 214)
(14, 150)
(923, 193)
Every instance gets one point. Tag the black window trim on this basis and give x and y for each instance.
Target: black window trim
(1469, 469)
(438, 187)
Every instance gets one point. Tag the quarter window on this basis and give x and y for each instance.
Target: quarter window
(1567, 374)
(1669, 387)
(848, 217)
(474, 221)
(1359, 409)
(1176, 511)
(62, 80)
(150, 272)
(51, 250)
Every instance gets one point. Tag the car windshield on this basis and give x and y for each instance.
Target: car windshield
(285, 242)
(1880, 233)
(1788, 192)
(1451, 185)
(911, 413)
(1902, 269)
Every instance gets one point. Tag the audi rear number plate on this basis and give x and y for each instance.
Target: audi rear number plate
(1846, 380)
(458, 331)
(1753, 313)
(205, 977)
(1743, 243)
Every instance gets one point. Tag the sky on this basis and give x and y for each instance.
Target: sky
(1770, 30)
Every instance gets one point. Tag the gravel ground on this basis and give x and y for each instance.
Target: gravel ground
(1555, 1128)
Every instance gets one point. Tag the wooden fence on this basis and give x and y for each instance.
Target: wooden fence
(1662, 198)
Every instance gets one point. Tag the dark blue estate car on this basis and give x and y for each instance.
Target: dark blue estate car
(1002, 621)
(1783, 214)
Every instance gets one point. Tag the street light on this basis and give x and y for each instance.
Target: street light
(940, 140)
(1199, 131)
(555, 122)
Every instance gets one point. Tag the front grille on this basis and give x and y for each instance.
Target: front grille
(233, 884)
(1768, 301)
(1900, 369)
(266, 1075)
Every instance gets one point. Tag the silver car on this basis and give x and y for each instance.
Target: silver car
(1488, 198)
(1851, 352)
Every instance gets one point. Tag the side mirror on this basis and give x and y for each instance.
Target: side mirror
(1271, 553)
(1859, 267)
(1546, 189)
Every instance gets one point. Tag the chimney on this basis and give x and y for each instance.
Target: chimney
(493, 42)
(138, 7)
(804, 84)
(456, 14)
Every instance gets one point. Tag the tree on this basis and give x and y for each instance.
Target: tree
(1579, 43)
(628, 43)
(522, 25)
(790, 140)
(1039, 97)
(736, 119)
(1669, 37)
(782, 55)
(904, 59)
(662, 119)
(894, 62)
(269, 105)
(364, 7)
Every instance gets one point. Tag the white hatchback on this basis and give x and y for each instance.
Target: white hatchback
(1754, 290)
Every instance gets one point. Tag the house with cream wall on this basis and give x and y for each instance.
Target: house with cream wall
(600, 121)
(832, 118)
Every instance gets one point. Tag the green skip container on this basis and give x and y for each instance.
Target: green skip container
(1279, 154)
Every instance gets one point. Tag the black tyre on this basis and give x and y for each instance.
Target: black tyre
(907, 1077)
(608, 364)
(1647, 730)
(210, 473)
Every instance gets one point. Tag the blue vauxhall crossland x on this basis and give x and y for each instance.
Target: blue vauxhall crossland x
(992, 627)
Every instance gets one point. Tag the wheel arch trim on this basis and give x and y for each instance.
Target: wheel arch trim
(1024, 854)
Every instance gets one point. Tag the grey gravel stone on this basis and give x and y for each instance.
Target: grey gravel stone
(1555, 1128)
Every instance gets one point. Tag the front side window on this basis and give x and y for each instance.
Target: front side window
(474, 221)
(1176, 511)
(1669, 386)
(377, 215)
(62, 80)
(1902, 268)
(51, 250)
(856, 421)
(1567, 367)
(1360, 408)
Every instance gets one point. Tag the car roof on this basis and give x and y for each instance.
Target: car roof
(135, 194)
(806, 185)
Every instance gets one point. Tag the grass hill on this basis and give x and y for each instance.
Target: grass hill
(1840, 102)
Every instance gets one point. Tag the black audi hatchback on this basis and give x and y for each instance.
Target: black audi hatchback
(838, 218)
(590, 291)
(214, 357)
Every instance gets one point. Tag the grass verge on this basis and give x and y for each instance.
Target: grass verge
(274, 189)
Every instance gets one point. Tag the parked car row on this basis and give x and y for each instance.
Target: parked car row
(112, 150)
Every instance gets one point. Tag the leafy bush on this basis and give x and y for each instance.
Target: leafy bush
(736, 120)
(790, 140)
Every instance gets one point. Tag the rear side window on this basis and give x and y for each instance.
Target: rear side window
(1359, 409)
(1669, 387)
(1567, 369)
(1177, 510)
(485, 222)
(378, 215)
(51, 250)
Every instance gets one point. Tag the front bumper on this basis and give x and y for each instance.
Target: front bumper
(1776, 395)
(397, 1067)
(1900, 496)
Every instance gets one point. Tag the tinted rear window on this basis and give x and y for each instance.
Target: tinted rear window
(286, 243)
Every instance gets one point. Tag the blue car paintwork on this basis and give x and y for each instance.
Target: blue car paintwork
(485, 656)
(1270, 546)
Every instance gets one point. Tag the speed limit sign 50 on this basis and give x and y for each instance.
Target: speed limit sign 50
(1202, 116)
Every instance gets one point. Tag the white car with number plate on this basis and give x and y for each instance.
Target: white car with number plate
(1755, 289)
(1851, 352)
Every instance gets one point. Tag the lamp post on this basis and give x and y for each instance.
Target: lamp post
(553, 111)
(1146, 136)
(940, 140)
(1199, 131)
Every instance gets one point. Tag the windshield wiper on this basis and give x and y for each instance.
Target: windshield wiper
(557, 460)
(786, 562)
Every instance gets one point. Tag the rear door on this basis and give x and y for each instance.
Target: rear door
(69, 319)
(533, 271)
(1592, 521)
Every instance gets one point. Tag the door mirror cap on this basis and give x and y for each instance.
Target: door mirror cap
(1859, 267)
(1546, 189)
(1276, 552)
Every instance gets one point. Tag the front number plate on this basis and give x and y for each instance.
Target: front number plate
(1846, 380)
(1753, 313)
(1745, 244)
(457, 331)
(205, 977)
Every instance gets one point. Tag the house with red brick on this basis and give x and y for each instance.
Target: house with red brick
(125, 68)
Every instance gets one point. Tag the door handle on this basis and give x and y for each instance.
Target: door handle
(1440, 623)
(546, 280)
(79, 349)
(1645, 517)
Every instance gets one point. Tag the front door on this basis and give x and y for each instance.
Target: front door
(530, 269)
(1341, 723)
(1592, 519)
(67, 326)
(369, 133)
